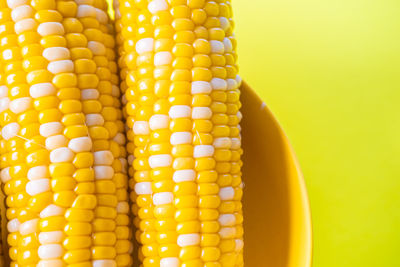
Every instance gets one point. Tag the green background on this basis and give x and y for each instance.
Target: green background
(330, 71)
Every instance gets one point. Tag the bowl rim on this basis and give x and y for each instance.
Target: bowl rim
(305, 201)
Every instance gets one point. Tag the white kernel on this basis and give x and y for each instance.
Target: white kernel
(238, 80)
(50, 251)
(201, 113)
(145, 45)
(16, 3)
(239, 115)
(50, 128)
(97, 48)
(158, 161)
(88, 94)
(56, 141)
(227, 220)
(103, 157)
(224, 22)
(226, 193)
(3, 91)
(239, 244)
(227, 232)
(104, 263)
(101, 16)
(80, 144)
(25, 25)
(4, 104)
(217, 47)
(42, 89)
(141, 128)
(50, 263)
(143, 188)
(37, 186)
(120, 139)
(84, 2)
(228, 47)
(188, 240)
(62, 154)
(51, 210)
(50, 28)
(180, 138)
(157, 5)
(56, 53)
(29, 227)
(159, 121)
(38, 172)
(94, 120)
(60, 66)
(203, 151)
(5, 175)
(219, 84)
(103, 172)
(86, 11)
(22, 12)
(236, 143)
(10, 130)
(222, 142)
(201, 87)
(232, 84)
(51, 237)
(179, 111)
(169, 262)
(20, 105)
(184, 176)
(13, 225)
(162, 58)
(163, 198)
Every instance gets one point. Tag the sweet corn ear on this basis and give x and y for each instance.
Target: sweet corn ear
(181, 102)
(63, 165)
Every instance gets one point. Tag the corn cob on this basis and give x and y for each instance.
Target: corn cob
(3, 96)
(59, 112)
(181, 91)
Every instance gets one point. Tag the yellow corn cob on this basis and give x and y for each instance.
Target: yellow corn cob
(62, 164)
(3, 225)
(180, 84)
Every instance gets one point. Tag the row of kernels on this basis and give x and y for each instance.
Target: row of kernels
(146, 234)
(10, 182)
(234, 97)
(16, 195)
(191, 54)
(124, 244)
(220, 131)
(95, 100)
(233, 220)
(26, 29)
(69, 148)
(128, 100)
(77, 241)
(169, 191)
(3, 95)
(140, 181)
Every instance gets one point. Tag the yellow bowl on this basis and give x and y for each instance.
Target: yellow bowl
(276, 208)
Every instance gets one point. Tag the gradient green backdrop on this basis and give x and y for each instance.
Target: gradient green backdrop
(330, 71)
